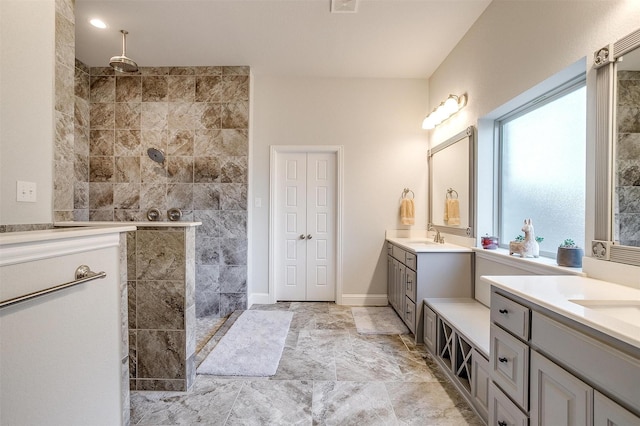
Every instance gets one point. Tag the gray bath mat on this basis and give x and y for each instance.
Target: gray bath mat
(378, 320)
(252, 346)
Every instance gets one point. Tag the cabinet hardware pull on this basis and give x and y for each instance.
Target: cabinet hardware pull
(501, 423)
(503, 359)
(309, 236)
(302, 237)
(503, 311)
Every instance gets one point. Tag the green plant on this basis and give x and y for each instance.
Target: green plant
(520, 239)
(568, 243)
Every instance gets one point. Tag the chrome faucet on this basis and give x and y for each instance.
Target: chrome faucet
(436, 238)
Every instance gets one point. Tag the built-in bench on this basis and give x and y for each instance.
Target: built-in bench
(456, 333)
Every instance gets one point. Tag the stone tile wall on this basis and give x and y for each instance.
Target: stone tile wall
(628, 159)
(162, 312)
(199, 117)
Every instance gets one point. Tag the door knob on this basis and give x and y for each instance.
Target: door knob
(302, 237)
(309, 236)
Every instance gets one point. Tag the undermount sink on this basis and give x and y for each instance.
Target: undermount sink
(624, 310)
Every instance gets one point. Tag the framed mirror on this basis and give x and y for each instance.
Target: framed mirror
(452, 185)
(617, 219)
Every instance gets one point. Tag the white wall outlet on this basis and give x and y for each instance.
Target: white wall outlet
(26, 191)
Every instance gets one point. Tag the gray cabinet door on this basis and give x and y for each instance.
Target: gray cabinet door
(558, 397)
(606, 412)
(430, 329)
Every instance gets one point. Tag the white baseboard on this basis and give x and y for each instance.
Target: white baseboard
(347, 299)
(364, 299)
(258, 299)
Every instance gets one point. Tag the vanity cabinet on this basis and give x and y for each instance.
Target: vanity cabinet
(413, 277)
(554, 371)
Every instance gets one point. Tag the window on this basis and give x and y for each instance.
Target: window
(541, 173)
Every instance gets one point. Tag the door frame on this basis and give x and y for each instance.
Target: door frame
(275, 150)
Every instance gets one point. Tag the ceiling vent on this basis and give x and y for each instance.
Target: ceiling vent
(344, 6)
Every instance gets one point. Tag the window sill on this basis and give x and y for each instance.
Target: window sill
(538, 266)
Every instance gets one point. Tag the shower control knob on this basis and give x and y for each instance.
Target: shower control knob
(302, 237)
(153, 215)
(174, 214)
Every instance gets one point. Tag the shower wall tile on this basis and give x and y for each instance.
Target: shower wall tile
(128, 88)
(160, 255)
(160, 353)
(233, 279)
(206, 196)
(80, 195)
(64, 90)
(160, 304)
(127, 115)
(101, 142)
(64, 137)
(128, 143)
(154, 88)
(101, 169)
(198, 116)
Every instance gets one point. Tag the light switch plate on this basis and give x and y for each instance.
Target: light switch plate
(26, 191)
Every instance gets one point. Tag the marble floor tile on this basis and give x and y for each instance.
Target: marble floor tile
(273, 402)
(352, 403)
(328, 375)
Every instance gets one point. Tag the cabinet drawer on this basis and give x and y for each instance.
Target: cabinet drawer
(399, 254)
(410, 284)
(410, 260)
(502, 411)
(510, 315)
(390, 249)
(410, 314)
(430, 329)
(510, 365)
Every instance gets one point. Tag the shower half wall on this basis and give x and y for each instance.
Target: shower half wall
(199, 117)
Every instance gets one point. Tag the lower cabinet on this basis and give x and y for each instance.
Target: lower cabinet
(430, 330)
(480, 381)
(558, 397)
(607, 412)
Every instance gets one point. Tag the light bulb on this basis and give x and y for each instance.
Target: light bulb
(428, 123)
(451, 104)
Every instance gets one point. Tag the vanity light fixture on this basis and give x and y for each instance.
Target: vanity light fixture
(445, 110)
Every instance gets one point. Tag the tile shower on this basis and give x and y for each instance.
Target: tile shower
(199, 117)
(628, 158)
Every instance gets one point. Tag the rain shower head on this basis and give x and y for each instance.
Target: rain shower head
(122, 63)
(156, 155)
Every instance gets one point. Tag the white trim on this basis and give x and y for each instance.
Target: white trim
(258, 299)
(364, 300)
(11, 254)
(538, 266)
(339, 151)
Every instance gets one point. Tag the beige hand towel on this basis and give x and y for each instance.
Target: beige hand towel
(452, 211)
(407, 211)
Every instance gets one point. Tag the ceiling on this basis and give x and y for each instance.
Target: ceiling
(383, 39)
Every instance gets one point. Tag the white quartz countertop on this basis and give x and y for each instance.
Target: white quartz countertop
(9, 238)
(426, 245)
(610, 308)
(148, 224)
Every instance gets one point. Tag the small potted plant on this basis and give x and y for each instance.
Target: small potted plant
(569, 254)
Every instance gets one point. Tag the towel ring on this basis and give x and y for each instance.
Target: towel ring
(450, 193)
(407, 191)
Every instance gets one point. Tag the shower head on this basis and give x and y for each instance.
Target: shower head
(122, 63)
(156, 155)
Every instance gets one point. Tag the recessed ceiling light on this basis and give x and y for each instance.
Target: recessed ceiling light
(98, 23)
(344, 6)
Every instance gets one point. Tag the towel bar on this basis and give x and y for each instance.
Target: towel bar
(83, 274)
(406, 191)
(450, 192)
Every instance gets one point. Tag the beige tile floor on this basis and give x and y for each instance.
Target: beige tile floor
(328, 375)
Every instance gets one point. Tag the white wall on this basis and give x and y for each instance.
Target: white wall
(514, 46)
(27, 61)
(378, 123)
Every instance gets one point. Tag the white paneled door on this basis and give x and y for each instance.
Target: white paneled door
(305, 265)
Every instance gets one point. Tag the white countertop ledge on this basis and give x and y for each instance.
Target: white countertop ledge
(557, 292)
(11, 238)
(426, 245)
(142, 224)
